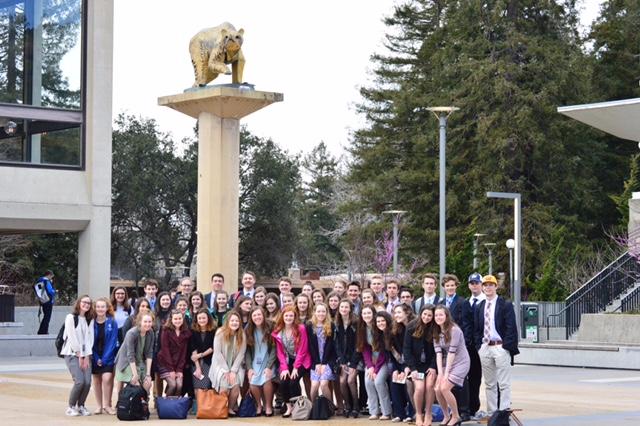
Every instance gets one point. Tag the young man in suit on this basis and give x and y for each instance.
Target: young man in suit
(217, 284)
(429, 284)
(495, 336)
(468, 314)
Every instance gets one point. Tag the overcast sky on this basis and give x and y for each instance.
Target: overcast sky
(315, 52)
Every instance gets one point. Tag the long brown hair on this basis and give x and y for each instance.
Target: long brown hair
(309, 306)
(126, 305)
(169, 322)
(211, 323)
(398, 327)
(226, 331)
(446, 327)
(90, 313)
(296, 322)
(353, 319)
(266, 327)
(362, 328)
(382, 338)
(423, 329)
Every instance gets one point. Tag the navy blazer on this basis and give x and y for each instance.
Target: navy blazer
(456, 309)
(505, 319)
(468, 323)
(417, 304)
(329, 352)
(346, 352)
(414, 347)
(211, 304)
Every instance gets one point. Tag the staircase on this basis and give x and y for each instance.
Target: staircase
(606, 288)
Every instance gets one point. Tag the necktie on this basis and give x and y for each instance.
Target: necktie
(475, 302)
(487, 323)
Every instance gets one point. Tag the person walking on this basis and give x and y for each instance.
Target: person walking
(46, 294)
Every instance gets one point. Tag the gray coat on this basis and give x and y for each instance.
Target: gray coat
(127, 352)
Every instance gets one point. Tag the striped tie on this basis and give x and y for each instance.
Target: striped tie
(487, 323)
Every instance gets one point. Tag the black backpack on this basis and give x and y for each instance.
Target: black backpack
(322, 409)
(60, 337)
(500, 418)
(133, 403)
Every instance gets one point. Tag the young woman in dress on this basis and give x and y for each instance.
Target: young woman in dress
(371, 345)
(420, 357)
(227, 372)
(77, 350)
(347, 357)
(162, 312)
(322, 349)
(201, 347)
(272, 305)
(121, 307)
(221, 308)
(452, 370)
(293, 354)
(400, 401)
(260, 360)
(173, 353)
(133, 362)
(105, 346)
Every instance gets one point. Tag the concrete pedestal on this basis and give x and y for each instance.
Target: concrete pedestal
(219, 110)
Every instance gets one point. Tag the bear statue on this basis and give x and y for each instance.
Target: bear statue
(212, 49)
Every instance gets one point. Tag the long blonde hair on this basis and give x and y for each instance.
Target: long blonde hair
(228, 333)
(326, 324)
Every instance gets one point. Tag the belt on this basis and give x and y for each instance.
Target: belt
(495, 342)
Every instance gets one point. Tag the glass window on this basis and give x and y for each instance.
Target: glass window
(40, 71)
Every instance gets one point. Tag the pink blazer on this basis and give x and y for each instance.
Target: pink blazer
(303, 358)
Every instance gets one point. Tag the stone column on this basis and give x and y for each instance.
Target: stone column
(219, 110)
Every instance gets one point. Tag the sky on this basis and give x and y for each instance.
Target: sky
(317, 53)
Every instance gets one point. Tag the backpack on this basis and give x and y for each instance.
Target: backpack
(133, 403)
(60, 337)
(40, 288)
(500, 418)
(322, 409)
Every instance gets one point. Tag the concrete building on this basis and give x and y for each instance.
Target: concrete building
(55, 126)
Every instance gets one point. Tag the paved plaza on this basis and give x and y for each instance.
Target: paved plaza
(34, 391)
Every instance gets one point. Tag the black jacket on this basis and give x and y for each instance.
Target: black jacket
(397, 344)
(417, 304)
(505, 319)
(414, 347)
(456, 310)
(329, 353)
(346, 346)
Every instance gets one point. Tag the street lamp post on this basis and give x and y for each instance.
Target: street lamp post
(489, 247)
(510, 245)
(517, 264)
(442, 113)
(475, 250)
(396, 214)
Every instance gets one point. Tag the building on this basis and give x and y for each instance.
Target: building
(55, 126)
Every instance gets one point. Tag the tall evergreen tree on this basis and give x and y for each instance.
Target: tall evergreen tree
(507, 65)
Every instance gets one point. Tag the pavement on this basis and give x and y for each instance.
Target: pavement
(34, 391)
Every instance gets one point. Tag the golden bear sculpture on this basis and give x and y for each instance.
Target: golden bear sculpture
(212, 48)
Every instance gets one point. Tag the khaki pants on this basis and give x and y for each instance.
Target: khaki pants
(496, 370)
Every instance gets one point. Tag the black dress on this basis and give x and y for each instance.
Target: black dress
(200, 342)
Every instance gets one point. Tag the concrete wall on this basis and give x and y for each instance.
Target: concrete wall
(572, 354)
(26, 319)
(610, 328)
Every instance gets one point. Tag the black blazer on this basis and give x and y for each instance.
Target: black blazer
(456, 310)
(505, 319)
(346, 346)
(211, 304)
(467, 323)
(329, 353)
(413, 348)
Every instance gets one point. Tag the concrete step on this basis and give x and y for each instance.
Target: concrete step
(580, 354)
(22, 345)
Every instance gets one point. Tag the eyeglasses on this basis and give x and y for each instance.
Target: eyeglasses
(84, 302)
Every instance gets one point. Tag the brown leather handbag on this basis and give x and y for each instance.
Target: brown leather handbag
(211, 404)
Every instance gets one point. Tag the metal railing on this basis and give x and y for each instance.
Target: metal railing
(631, 302)
(598, 292)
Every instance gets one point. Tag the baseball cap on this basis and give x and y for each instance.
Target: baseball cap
(489, 279)
(475, 277)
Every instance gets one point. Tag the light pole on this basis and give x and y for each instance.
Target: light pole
(475, 250)
(395, 214)
(511, 243)
(489, 247)
(442, 113)
(517, 226)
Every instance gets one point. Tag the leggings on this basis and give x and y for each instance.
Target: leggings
(81, 381)
(290, 388)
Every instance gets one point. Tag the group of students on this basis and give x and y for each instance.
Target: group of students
(375, 350)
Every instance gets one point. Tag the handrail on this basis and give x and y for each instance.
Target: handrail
(631, 301)
(598, 291)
